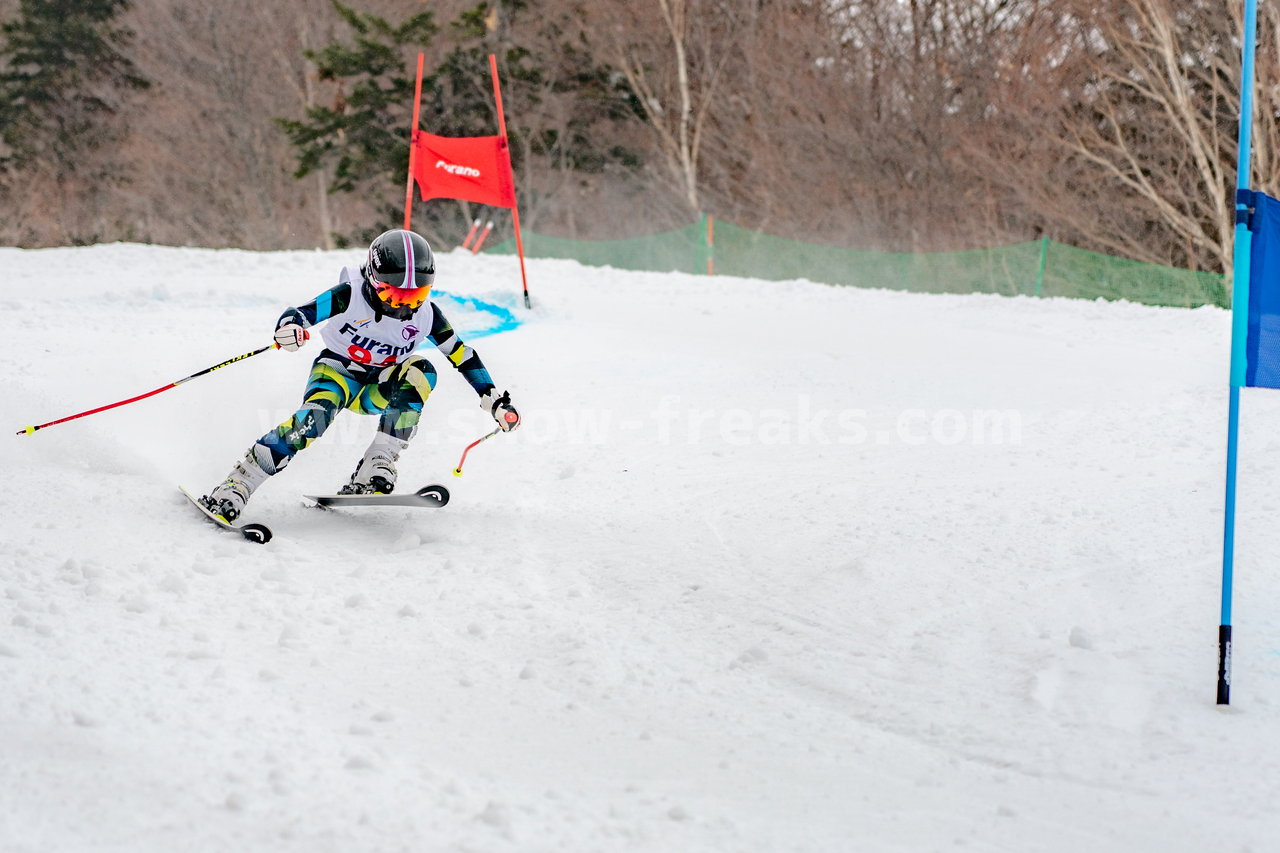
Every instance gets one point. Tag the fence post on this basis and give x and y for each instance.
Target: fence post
(711, 245)
(1044, 253)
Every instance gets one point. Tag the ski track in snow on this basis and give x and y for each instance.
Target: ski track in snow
(760, 572)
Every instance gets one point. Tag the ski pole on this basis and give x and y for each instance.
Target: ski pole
(475, 223)
(457, 472)
(31, 429)
(483, 234)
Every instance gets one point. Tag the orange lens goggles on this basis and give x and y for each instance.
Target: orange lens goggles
(403, 297)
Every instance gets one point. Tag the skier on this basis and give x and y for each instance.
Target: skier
(378, 314)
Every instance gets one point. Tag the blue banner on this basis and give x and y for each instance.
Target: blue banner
(1262, 348)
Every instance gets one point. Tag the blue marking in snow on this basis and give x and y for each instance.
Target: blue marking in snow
(504, 319)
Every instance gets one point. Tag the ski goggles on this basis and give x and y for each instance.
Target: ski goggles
(402, 297)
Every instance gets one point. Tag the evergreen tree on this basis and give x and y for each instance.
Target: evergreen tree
(62, 80)
(559, 95)
(364, 135)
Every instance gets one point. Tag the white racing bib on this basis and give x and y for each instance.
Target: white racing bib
(360, 335)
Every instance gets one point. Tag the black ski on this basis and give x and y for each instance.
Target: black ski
(259, 533)
(427, 496)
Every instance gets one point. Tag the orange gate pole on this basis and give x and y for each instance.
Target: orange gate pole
(515, 207)
(413, 147)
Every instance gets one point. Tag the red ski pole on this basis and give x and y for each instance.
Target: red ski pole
(31, 429)
(483, 234)
(511, 418)
(475, 223)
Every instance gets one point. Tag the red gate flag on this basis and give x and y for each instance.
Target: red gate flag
(469, 168)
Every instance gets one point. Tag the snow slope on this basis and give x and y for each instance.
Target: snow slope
(770, 567)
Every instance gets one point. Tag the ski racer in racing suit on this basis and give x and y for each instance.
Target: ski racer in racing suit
(375, 318)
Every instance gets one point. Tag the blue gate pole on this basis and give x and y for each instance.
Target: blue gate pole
(1239, 338)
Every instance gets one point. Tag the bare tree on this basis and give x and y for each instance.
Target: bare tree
(301, 78)
(1159, 120)
(673, 54)
(1120, 125)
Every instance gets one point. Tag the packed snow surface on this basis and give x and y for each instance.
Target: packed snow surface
(768, 567)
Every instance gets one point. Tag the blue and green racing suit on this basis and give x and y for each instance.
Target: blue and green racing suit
(368, 365)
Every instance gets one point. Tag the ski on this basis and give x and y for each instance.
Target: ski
(427, 496)
(259, 533)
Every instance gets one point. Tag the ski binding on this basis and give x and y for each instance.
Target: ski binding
(254, 532)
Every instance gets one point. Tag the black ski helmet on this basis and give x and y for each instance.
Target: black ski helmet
(401, 269)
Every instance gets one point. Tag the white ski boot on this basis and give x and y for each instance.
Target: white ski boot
(376, 473)
(229, 498)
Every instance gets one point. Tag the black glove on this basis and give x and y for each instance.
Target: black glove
(501, 409)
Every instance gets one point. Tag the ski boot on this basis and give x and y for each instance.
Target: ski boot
(228, 499)
(376, 473)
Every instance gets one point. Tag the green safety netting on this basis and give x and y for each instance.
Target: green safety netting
(682, 250)
(1038, 268)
